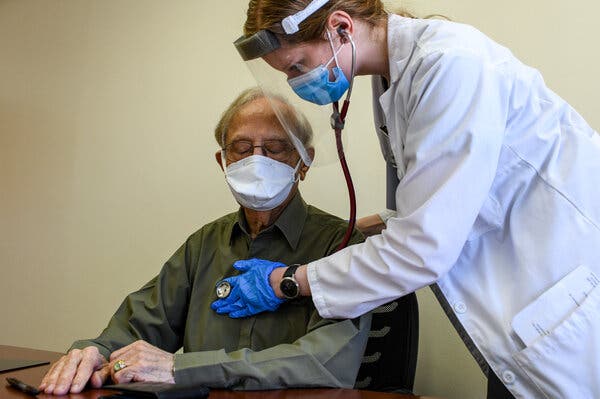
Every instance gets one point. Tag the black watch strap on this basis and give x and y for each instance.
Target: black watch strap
(291, 270)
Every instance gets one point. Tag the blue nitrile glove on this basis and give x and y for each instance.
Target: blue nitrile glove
(251, 292)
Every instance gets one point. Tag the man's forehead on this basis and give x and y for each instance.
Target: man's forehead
(257, 116)
(252, 125)
(259, 106)
(259, 111)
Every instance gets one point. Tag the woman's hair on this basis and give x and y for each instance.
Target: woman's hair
(268, 14)
(298, 122)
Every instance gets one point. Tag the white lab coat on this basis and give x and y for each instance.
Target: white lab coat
(499, 198)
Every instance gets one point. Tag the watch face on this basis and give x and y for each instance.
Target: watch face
(289, 287)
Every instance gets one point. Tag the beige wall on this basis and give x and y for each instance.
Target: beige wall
(106, 155)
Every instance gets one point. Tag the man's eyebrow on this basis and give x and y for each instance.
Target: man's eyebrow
(269, 137)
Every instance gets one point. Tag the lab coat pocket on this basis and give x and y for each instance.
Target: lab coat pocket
(566, 362)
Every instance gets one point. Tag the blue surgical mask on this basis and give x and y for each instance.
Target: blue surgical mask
(315, 86)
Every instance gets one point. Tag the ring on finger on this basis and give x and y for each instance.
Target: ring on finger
(119, 365)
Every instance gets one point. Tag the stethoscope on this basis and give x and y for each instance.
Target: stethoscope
(338, 119)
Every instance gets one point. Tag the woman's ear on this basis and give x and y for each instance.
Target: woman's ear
(341, 23)
(218, 157)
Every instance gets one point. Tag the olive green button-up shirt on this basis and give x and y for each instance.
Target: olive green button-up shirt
(291, 347)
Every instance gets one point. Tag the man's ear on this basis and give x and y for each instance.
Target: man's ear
(218, 157)
(304, 168)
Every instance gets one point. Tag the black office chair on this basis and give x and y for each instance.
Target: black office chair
(390, 360)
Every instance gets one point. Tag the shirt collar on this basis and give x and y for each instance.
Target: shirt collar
(290, 223)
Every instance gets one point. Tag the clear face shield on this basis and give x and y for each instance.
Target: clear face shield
(313, 80)
(292, 77)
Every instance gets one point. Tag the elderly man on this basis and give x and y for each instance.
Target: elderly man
(290, 347)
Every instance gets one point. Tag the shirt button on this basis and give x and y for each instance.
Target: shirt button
(460, 307)
(508, 376)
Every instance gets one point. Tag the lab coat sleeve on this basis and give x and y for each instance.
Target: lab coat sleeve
(155, 313)
(455, 108)
(329, 355)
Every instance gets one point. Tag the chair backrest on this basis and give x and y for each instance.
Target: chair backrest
(390, 358)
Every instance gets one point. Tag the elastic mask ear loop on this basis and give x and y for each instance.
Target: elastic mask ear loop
(296, 169)
(333, 50)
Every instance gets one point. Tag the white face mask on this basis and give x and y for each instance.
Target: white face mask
(260, 183)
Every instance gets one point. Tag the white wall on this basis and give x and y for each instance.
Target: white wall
(106, 149)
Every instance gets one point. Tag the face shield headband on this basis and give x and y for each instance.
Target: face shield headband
(263, 42)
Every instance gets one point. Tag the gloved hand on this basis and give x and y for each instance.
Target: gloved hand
(251, 292)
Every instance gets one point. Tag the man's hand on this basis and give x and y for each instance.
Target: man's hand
(251, 292)
(143, 362)
(72, 372)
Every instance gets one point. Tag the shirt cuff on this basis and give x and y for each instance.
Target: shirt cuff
(386, 214)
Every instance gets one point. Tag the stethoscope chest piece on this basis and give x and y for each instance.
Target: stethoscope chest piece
(223, 289)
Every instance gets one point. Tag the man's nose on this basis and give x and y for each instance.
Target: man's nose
(258, 150)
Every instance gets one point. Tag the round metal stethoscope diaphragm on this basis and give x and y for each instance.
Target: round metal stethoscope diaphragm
(223, 289)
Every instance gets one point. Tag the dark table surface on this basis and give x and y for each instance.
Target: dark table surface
(33, 376)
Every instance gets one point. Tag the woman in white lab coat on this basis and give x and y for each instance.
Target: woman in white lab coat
(498, 197)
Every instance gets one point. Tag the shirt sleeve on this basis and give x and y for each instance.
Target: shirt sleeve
(456, 112)
(329, 355)
(155, 313)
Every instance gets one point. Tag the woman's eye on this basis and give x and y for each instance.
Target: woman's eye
(296, 68)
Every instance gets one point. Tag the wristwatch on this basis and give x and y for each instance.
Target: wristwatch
(288, 285)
